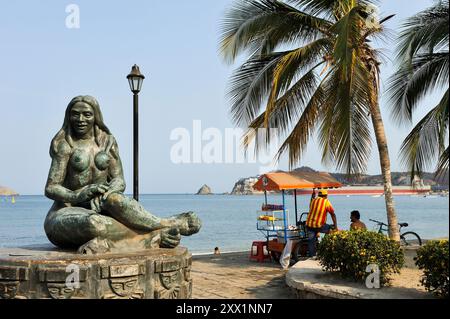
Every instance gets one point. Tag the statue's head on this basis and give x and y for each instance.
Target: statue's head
(82, 115)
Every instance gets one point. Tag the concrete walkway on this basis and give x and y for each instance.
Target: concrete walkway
(310, 282)
(231, 276)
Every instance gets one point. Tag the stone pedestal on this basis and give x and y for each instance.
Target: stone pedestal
(47, 272)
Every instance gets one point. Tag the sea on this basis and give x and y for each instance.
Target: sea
(229, 222)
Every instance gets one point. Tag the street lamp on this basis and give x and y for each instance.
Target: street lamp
(135, 79)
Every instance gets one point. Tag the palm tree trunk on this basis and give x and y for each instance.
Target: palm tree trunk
(385, 164)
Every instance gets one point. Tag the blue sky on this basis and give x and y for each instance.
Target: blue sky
(44, 64)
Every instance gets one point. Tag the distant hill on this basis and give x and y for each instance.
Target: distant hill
(398, 178)
(244, 186)
(5, 191)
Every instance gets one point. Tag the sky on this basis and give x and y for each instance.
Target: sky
(44, 64)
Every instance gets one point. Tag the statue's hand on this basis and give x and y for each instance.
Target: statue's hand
(90, 191)
(115, 186)
(170, 238)
(96, 204)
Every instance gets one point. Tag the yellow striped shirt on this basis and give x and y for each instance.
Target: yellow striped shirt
(318, 209)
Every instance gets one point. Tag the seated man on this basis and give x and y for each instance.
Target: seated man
(317, 217)
(356, 223)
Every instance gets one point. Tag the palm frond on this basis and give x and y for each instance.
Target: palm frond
(425, 143)
(296, 142)
(407, 87)
(262, 25)
(425, 32)
(348, 36)
(344, 132)
(317, 7)
(442, 167)
(330, 8)
(286, 111)
(248, 87)
(293, 64)
(290, 106)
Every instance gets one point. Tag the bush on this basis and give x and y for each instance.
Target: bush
(432, 258)
(350, 252)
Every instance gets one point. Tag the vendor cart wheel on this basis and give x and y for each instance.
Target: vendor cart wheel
(275, 256)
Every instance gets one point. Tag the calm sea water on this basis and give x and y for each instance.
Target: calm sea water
(229, 222)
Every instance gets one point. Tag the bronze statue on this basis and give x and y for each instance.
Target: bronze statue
(86, 183)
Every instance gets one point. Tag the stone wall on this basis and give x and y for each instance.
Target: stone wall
(46, 274)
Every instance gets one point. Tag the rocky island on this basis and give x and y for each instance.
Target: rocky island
(244, 186)
(204, 190)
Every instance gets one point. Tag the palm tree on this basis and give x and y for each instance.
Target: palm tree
(312, 66)
(423, 60)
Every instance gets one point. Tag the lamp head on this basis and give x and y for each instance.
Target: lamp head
(135, 79)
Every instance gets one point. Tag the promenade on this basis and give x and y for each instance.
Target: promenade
(231, 276)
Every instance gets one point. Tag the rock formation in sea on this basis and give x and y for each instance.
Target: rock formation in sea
(244, 186)
(204, 190)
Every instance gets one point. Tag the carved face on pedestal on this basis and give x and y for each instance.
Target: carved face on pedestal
(170, 279)
(171, 282)
(60, 291)
(124, 287)
(8, 290)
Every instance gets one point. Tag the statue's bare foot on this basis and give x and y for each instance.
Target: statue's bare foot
(170, 238)
(187, 223)
(95, 246)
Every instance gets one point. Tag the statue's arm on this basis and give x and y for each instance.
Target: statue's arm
(116, 179)
(54, 188)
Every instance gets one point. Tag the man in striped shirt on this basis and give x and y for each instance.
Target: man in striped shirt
(317, 218)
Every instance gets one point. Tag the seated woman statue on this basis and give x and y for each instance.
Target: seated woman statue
(86, 183)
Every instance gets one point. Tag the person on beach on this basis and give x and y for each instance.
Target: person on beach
(356, 223)
(319, 207)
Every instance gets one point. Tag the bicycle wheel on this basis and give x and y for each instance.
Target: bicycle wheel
(410, 239)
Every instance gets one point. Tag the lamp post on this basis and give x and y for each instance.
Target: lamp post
(135, 79)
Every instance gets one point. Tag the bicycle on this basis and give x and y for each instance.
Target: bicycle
(406, 239)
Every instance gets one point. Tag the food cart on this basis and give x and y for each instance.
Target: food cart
(274, 221)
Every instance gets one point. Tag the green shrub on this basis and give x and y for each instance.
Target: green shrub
(350, 252)
(432, 258)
